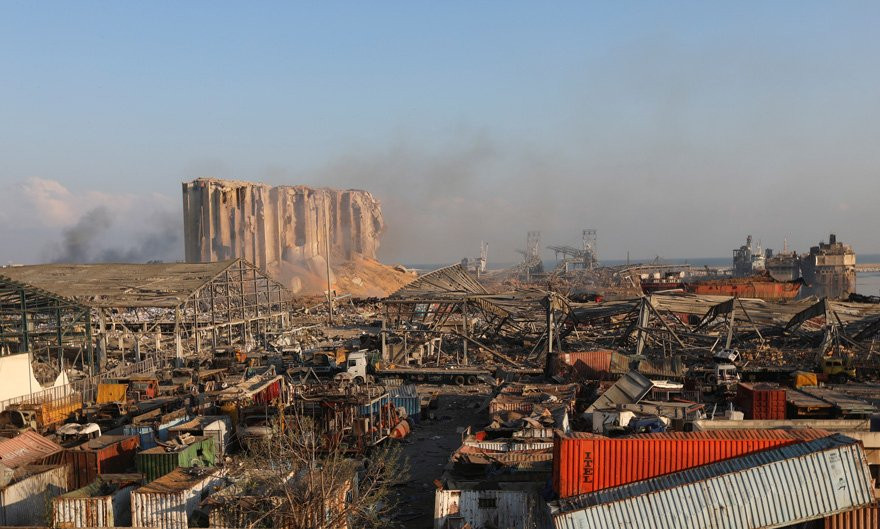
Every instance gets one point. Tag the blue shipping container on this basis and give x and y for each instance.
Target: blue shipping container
(406, 397)
(147, 435)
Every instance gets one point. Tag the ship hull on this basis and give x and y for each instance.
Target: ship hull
(759, 288)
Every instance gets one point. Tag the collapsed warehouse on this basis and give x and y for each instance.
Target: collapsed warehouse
(79, 315)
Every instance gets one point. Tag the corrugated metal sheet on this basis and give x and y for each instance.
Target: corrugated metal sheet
(27, 499)
(762, 490)
(587, 364)
(863, 518)
(169, 501)
(509, 446)
(406, 397)
(27, 448)
(585, 463)
(629, 389)
(489, 509)
(83, 512)
(156, 462)
(80, 508)
(662, 367)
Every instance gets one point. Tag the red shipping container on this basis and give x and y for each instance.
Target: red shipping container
(108, 454)
(584, 462)
(762, 402)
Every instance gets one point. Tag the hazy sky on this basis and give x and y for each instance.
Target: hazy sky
(673, 128)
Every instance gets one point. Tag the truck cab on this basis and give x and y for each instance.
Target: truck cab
(837, 369)
(356, 367)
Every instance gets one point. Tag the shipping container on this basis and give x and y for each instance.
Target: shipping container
(108, 454)
(591, 365)
(780, 487)
(102, 503)
(406, 397)
(584, 463)
(29, 448)
(218, 427)
(26, 500)
(156, 462)
(761, 402)
(170, 501)
(863, 518)
(145, 434)
(489, 509)
(148, 434)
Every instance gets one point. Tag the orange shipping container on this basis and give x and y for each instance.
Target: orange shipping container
(585, 462)
(591, 365)
(864, 518)
(108, 454)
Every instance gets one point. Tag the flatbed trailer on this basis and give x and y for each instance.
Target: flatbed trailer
(460, 376)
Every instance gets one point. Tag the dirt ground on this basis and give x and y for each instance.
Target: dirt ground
(431, 443)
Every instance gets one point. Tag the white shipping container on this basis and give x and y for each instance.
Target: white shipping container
(221, 431)
(169, 501)
(111, 510)
(26, 500)
(484, 509)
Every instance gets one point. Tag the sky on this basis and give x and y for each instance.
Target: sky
(672, 128)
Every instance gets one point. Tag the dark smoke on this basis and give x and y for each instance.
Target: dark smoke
(76, 247)
(89, 240)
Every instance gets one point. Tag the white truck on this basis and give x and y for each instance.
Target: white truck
(358, 371)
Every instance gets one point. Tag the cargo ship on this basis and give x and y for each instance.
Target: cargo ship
(761, 286)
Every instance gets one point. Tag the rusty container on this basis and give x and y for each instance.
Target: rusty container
(108, 454)
(590, 365)
(761, 402)
(864, 518)
(585, 462)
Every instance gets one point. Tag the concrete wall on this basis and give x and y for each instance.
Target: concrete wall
(271, 226)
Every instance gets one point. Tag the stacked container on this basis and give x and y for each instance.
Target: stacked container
(761, 402)
(584, 463)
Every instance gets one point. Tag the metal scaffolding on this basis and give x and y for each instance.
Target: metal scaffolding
(175, 309)
(43, 323)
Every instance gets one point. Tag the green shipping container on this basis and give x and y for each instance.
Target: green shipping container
(156, 462)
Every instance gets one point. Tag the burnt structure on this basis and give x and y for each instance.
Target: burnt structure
(274, 226)
(830, 269)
